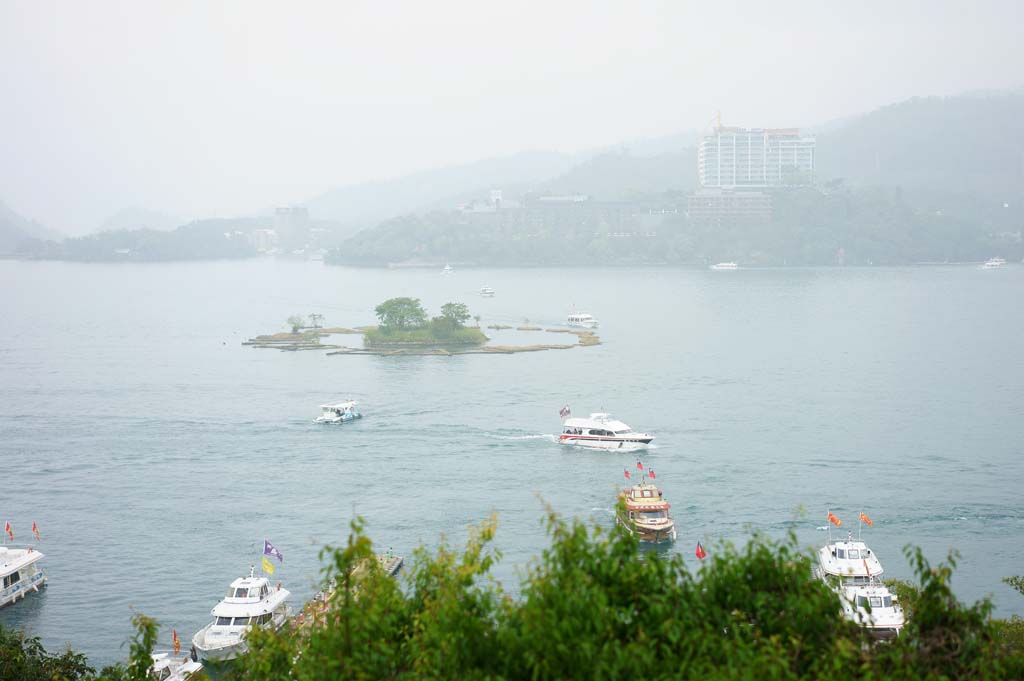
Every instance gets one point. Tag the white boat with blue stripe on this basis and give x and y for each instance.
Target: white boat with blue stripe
(19, 574)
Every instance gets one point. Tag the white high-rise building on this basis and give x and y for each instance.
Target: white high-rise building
(755, 157)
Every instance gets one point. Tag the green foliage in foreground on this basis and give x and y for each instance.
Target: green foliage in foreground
(593, 606)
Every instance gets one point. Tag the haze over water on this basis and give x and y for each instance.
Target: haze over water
(156, 452)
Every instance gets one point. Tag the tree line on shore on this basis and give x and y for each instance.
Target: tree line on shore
(593, 606)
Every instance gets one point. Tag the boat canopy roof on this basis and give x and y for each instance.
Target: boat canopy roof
(340, 405)
(849, 559)
(644, 497)
(14, 559)
(598, 420)
(249, 596)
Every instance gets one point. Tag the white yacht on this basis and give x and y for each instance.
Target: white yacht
(447, 269)
(487, 292)
(169, 667)
(993, 263)
(581, 320)
(725, 266)
(19, 573)
(341, 412)
(250, 602)
(854, 572)
(601, 431)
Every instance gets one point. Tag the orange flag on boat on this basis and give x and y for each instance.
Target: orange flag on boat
(864, 518)
(35, 530)
(177, 641)
(834, 520)
(8, 530)
(700, 552)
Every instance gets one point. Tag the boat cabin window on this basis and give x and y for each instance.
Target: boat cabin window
(853, 553)
(840, 553)
(887, 601)
(240, 622)
(12, 579)
(224, 621)
(876, 601)
(652, 515)
(622, 432)
(647, 493)
(241, 593)
(862, 601)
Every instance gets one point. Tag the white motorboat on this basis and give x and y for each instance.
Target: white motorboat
(171, 667)
(250, 602)
(341, 412)
(19, 574)
(601, 431)
(487, 292)
(725, 266)
(993, 263)
(447, 269)
(854, 572)
(581, 320)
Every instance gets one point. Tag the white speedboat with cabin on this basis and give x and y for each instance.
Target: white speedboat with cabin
(487, 292)
(725, 266)
(250, 602)
(601, 431)
(581, 320)
(19, 574)
(342, 412)
(993, 263)
(172, 667)
(855, 573)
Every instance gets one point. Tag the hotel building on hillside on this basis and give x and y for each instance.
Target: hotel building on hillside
(732, 157)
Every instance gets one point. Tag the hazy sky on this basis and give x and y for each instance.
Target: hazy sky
(205, 108)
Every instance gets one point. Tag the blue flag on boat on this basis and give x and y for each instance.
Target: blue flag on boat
(269, 550)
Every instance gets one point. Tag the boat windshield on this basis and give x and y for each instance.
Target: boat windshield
(874, 601)
(652, 515)
(853, 553)
(622, 432)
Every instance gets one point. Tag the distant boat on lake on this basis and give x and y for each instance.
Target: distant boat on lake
(581, 320)
(725, 266)
(487, 292)
(993, 263)
(447, 269)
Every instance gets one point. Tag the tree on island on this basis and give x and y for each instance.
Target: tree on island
(401, 313)
(456, 313)
(296, 321)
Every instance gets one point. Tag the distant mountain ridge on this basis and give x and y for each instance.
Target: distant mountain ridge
(16, 231)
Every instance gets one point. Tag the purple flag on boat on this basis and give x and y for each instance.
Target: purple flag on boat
(269, 550)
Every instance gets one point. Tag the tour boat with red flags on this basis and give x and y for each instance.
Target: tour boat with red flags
(643, 510)
(853, 571)
(600, 431)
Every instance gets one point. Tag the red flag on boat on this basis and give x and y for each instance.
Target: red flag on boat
(701, 553)
(177, 642)
(35, 530)
(7, 529)
(864, 518)
(625, 472)
(650, 472)
(834, 520)
(639, 466)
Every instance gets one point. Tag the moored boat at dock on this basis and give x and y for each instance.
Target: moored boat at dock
(854, 572)
(19, 574)
(250, 602)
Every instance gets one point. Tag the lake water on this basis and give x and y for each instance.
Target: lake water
(156, 452)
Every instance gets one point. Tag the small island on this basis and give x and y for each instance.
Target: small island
(404, 323)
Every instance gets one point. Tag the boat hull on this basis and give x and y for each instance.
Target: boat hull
(612, 443)
(321, 419)
(650, 535)
(19, 591)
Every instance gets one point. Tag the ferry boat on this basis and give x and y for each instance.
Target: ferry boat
(644, 513)
(250, 602)
(853, 571)
(342, 412)
(725, 266)
(19, 574)
(581, 320)
(447, 269)
(168, 667)
(601, 431)
(487, 292)
(993, 263)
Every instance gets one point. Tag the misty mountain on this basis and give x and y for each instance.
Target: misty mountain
(371, 202)
(621, 175)
(135, 217)
(16, 231)
(967, 145)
